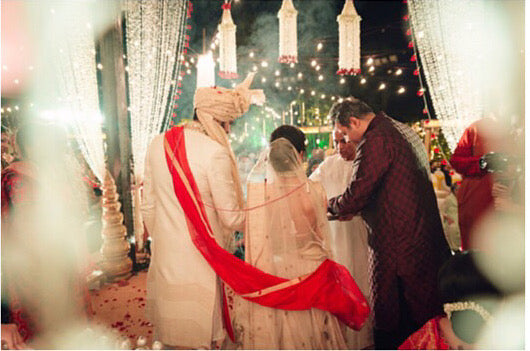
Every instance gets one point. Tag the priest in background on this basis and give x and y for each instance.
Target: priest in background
(349, 239)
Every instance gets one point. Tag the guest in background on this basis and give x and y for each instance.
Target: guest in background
(42, 282)
(449, 214)
(469, 300)
(392, 191)
(475, 197)
(348, 239)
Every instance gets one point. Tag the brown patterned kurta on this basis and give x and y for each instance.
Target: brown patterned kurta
(392, 191)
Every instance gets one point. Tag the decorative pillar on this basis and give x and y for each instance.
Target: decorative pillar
(288, 33)
(113, 98)
(349, 40)
(115, 249)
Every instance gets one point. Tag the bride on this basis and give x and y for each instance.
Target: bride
(286, 237)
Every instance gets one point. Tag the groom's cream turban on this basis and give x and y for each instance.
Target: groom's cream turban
(225, 105)
(214, 105)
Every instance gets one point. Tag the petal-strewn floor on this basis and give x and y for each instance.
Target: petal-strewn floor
(121, 306)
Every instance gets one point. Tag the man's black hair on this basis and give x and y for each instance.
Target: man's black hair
(349, 107)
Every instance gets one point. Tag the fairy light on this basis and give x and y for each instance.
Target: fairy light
(150, 76)
(277, 84)
(291, 65)
(77, 89)
(251, 54)
(363, 80)
(371, 69)
(382, 86)
(289, 88)
(459, 30)
(319, 46)
(317, 68)
(321, 77)
(313, 63)
(277, 73)
(302, 91)
(313, 93)
(342, 81)
(263, 80)
(401, 90)
(399, 71)
(300, 75)
(323, 96)
(370, 61)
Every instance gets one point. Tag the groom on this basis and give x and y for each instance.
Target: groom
(183, 292)
(392, 191)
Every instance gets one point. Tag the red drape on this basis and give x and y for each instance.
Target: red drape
(330, 287)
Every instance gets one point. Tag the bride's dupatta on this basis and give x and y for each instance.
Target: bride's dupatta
(330, 287)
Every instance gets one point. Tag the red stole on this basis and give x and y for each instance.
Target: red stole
(330, 287)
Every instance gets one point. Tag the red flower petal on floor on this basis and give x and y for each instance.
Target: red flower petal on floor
(106, 301)
(114, 299)
(149, 331)
(127, 316)
(140, 299)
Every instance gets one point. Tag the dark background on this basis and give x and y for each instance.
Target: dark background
(383, 33)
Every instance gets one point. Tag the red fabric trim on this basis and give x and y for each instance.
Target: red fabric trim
(228, 75)
(288, 59)
(330, 287)
(348, 72)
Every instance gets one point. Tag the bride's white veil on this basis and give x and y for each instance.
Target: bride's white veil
(293, 239)
(286, 235)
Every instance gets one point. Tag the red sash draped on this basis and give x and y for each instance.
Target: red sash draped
(330, 287)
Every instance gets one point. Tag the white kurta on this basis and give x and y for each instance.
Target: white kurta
(183, 293)
(349, 239)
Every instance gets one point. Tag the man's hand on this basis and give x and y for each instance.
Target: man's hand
(346, 218)
(11, 339)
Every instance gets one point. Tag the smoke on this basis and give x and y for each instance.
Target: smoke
(285, 87)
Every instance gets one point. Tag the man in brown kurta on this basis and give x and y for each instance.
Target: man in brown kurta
(392, 191)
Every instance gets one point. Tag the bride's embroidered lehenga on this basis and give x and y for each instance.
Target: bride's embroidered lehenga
(287, 237)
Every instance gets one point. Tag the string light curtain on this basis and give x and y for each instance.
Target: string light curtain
(349, 40)
(155, 33)
(227, 45)
(77, 88)
(450, 39)
(154, 36)
(288, 33)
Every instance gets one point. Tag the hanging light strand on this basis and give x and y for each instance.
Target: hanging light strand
(154, 35)
(77, 92)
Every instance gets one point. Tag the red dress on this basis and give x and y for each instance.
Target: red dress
(428, 337)
(474, 195)
(19, 186)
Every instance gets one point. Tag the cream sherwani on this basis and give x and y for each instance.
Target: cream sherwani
(183, 292)
(349, 239)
